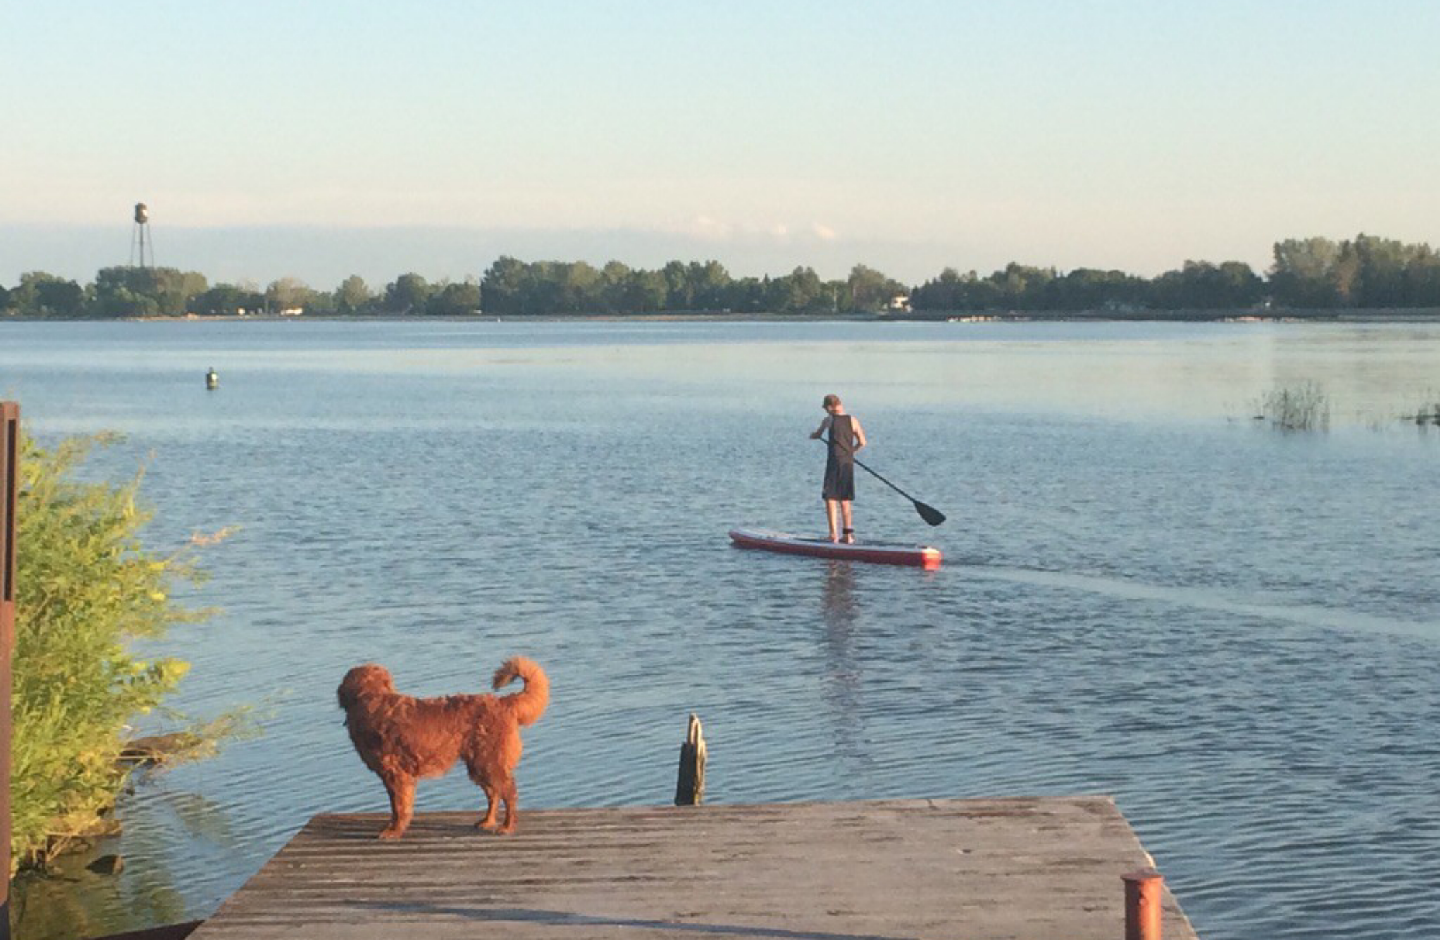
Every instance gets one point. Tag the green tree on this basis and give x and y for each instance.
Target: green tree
(1422, 279)
(454, 300)
(45, 295)
(408, 293)
(1094, 289)
(614, 282)
(130, 291)
(354, 296)
(322, 303)
(1303, 274)
(1200, 285)
(1345, 275)
(1023, 287)
(944, 292)
(1240, 286)
(799, 291)
(871, 290)
(288, 293)
(748, 294)
(580, 288)
(125, 292)
(501, 287)
(86, 587)
(645, 292)
(1383, 266)
(678, 294)
(709, 285)
(227, 300)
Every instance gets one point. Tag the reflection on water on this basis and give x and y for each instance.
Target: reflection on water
(839, 604)
(842, 677)
(1234, 632)
(77, 902)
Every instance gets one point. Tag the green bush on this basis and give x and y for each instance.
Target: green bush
(85, 588)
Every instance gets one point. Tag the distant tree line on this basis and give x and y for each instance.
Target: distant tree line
(148, 292)
(1312, 273)
(1365, 272)
(517, 288)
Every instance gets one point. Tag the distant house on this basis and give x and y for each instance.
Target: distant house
(900, 303)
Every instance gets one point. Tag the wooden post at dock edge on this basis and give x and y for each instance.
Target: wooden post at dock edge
(690, 785)
(1143, 890)
(9, 490)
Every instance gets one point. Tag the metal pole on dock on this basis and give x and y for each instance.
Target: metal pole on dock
(1143, 890)
(9, 490)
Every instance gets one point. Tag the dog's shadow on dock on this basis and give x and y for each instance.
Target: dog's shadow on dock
(571, 919)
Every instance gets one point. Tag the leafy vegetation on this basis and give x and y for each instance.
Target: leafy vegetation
(86, 587)
(1366, 272)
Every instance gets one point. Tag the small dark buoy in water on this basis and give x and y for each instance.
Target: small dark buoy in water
(212, 381)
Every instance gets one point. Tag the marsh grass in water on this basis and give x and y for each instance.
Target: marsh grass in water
(1427, 412)
(1303, 407)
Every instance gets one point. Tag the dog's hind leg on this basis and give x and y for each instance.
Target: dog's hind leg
(511, 796)
(402, 806)
(492, 798)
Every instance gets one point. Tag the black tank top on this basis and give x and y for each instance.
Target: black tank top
(842, 439)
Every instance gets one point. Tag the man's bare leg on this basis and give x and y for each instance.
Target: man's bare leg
(849, 523)
(831, 507)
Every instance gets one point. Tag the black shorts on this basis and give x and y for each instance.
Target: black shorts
(839, 481)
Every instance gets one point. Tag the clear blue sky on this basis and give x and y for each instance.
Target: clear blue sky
(316, 138)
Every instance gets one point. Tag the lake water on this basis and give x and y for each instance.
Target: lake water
(1233, 630)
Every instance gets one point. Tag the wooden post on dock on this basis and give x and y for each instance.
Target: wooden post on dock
(1143, 890)
(9, 492)
(690, 787)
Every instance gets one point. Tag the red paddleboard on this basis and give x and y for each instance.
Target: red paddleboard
(884, 553)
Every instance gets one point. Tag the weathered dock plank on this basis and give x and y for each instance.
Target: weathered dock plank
(1022, 869)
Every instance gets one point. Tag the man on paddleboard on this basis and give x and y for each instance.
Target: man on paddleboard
(845, 437)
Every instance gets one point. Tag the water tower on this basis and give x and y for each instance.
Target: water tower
(140, 237)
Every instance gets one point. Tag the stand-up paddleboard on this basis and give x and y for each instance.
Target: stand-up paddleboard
(884, 553)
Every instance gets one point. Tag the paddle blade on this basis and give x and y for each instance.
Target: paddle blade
(929, 513)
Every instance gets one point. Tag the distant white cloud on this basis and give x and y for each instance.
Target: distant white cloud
(823, 232)
(703, 226)
(709, 228)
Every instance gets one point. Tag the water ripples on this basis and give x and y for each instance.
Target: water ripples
(1235, 634)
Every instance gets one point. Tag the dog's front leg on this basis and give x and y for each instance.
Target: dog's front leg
(402, 806)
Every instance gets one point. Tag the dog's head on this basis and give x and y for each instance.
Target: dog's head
(364, 682)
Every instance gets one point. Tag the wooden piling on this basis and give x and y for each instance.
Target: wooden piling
(690, 785)
(1144, 890)
(9, 494)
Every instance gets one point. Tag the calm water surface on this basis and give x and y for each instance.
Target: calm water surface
(1234, 631)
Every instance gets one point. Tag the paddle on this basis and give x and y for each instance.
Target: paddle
(929, 513)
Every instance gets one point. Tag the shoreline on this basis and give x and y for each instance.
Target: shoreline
(1387, 315)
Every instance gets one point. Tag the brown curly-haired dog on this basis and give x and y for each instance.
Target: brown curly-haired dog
(403, 738)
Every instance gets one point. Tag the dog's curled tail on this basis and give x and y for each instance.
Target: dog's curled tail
(528, 704)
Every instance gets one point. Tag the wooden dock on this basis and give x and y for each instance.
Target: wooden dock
(1026, 869)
